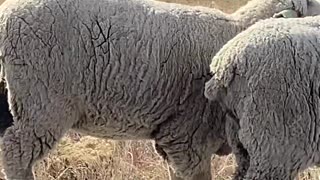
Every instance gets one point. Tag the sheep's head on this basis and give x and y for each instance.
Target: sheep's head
(256, 10)
(293, 8)
(298, 8)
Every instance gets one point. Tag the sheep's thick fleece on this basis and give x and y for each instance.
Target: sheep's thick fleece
(118, 69)
(268, 77)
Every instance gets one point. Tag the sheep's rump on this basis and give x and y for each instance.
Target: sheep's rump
(270, 79)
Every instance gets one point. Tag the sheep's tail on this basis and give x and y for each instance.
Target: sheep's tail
(6, 119)
(214, 90)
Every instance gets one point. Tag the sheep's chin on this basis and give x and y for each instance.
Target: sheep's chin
(289, 13)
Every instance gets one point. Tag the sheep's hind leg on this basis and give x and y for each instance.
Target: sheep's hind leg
(33, 136)
(190, 162)
(267, 172)
(241, 154)
(173, 175)
(192, 174)
(270, 159)
(199, 176)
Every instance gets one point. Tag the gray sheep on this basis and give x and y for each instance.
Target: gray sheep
(117, 69)
(267, 78)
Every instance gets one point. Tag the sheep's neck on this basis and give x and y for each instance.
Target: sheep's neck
(256, 10)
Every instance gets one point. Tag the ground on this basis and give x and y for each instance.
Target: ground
(88, 158)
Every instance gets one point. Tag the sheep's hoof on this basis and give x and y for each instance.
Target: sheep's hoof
(286, 14)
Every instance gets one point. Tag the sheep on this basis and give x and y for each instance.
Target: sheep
(267, 78)
(117, 69)
(313, 8)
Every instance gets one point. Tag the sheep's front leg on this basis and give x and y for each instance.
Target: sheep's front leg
(33, 135)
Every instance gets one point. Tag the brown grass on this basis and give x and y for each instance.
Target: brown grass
(89, 158)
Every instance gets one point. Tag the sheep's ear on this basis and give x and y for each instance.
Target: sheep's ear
(286, 14)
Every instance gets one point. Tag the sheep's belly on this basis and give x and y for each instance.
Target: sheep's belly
(114, 127)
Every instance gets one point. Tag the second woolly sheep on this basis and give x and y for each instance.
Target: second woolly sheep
(268, 79)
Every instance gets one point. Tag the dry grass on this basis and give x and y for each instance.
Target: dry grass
(93, 158)
(89, 158)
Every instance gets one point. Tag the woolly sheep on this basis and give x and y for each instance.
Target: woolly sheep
(268, 80)
(313, 8)
(117, 69)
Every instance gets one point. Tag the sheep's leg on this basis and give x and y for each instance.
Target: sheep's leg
(160, 151)
(200, 176)
(203, 174)
(267, 172)
(268, 165)
(273, 154)
(241, 154)
(189, 162)
(173, 175)
(265, 166)
(33, 135)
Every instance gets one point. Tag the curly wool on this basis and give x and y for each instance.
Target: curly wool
(118, 69)
(268, 77)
